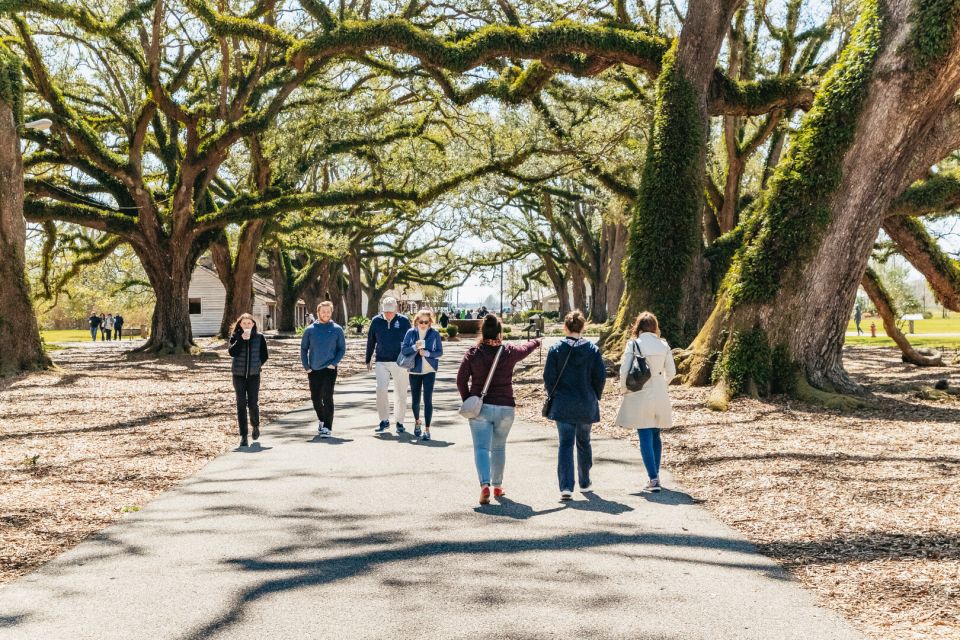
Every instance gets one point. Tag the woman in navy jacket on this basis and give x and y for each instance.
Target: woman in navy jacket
(424, 341)
(574, 376)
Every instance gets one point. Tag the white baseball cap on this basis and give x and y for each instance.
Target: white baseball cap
(389, 304)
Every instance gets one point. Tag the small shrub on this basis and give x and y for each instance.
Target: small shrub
(507, 330)
(928, 315)
(453, 330)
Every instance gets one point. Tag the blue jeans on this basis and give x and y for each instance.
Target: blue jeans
(93, 333)
(651, 450)
(490, 430)
(570, 433)
(424, 383)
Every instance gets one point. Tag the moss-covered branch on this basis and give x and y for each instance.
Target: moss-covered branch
(631, 47)
(102, 219)
(939, 193)
(753, 98)
(940, 270)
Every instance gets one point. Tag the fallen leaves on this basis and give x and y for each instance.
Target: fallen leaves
(863, 508)
(82, 446)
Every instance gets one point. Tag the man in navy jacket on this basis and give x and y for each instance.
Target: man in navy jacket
(384, 340)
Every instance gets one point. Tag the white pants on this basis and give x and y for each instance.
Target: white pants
(401, 380)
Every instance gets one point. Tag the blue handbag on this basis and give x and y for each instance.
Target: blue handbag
(407, 362)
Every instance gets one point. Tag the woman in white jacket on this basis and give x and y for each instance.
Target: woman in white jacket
(648, 410)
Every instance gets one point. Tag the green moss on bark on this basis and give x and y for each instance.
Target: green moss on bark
(934, 32)
(745, 363)
(796, 209)
(665, 229)
(11, 82)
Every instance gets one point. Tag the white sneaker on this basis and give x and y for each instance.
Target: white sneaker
(653, 485)
(566, 495)
(587, 489)
(325, 433)
(320, 428)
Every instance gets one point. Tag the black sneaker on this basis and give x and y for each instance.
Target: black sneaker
(243, 442)
(401, 428)
(256, 432)
(383, 426)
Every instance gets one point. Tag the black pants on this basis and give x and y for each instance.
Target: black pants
(321, 393)
(248, 395)
(423, 383)
(118, 333)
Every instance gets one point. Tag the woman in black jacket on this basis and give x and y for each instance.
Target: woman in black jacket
(249, 352)
(574, 376)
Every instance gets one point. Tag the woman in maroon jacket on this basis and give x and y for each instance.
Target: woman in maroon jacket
(491, 427)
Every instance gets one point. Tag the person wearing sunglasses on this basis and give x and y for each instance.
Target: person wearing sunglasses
(424, 341)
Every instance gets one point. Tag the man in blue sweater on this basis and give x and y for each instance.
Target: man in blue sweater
(384, 339)
(321, 349)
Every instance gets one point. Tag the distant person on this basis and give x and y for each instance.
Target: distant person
(857, 317)
(322, 347)
(574, 376)
(648, 410)
(444, 319)
(103, 327)
(248, 348)
(424, 341)
(309, 320)
(491, 428)
(94, 321)
(118, 327)
(470, 315)
(384, 340)
(108, 326)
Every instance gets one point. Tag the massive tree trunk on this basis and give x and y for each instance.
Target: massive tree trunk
(559, 281)
(664, 270)
(874, 128)
(327, 286)
(354, 293)
(579, 286)
(615, 247)
(281, 272)
(169, 265)
(888, 313)
(236, 274)
(20, 345)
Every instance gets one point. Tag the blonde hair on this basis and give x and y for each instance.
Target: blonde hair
(424, 312)
(244, 316)
(325, 303)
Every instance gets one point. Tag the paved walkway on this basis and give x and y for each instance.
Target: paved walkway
(366, 536)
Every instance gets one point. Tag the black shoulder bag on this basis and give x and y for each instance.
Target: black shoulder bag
(548, 401)
(639, 372)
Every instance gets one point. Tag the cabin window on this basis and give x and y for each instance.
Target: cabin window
(194, 306)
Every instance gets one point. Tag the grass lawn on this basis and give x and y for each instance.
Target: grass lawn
(55, 336)
(66, 335)
(921, 338)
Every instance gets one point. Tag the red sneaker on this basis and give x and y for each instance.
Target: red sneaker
(498, 492)
(485, 495)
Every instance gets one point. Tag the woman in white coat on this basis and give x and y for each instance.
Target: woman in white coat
(648, 410)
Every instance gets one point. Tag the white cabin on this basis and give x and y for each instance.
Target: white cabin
(208, 298)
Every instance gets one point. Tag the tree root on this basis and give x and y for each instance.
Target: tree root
(826, 399)
(693, 367)
(720, 396)
(167, 349)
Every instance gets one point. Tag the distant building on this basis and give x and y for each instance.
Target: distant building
(208, 299)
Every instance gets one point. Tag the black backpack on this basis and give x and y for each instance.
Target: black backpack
(639, 371)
